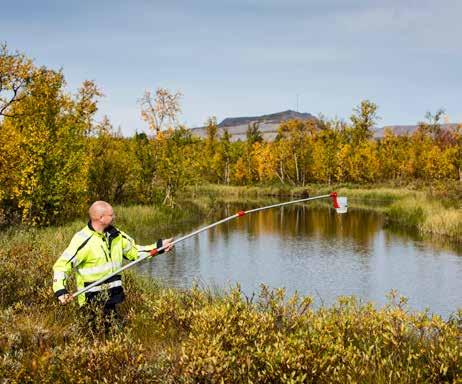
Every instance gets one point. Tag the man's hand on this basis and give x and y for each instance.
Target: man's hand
(64, 299)
(167, 243)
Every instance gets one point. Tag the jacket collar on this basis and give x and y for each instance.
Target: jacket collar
(90, 226)
(109, 231)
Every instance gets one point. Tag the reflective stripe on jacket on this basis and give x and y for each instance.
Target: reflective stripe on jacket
(94, 255)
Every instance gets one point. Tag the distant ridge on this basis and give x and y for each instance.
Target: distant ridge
(269, 124)
(237, 126)
(401, 130)
(272, 118)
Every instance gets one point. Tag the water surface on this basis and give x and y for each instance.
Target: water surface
(309, 249)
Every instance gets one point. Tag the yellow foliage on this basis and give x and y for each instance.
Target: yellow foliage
(43, 161)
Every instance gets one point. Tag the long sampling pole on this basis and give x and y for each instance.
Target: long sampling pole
(154, 252)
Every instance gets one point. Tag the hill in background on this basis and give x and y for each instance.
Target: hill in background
(237, 126)
(407, 129)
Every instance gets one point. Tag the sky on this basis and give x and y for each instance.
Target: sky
(246, 58)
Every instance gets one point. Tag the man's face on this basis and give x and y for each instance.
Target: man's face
(108, 218)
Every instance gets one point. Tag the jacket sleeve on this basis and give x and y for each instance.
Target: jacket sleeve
(133, 251)
(65, 263)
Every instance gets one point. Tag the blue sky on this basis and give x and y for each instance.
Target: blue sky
(244, 58)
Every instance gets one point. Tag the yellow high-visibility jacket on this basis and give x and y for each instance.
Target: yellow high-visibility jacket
(94, 255)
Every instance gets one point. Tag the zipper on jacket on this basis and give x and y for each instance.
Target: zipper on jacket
(108, 244)
(105, 254)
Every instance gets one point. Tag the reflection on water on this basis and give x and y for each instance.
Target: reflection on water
(312, 250)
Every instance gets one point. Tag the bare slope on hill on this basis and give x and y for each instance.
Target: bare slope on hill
(268, 124)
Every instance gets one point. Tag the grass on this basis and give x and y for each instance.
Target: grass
(201, 336)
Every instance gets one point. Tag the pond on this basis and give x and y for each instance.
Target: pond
(310, 249)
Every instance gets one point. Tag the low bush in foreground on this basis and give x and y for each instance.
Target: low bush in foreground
(173, 336)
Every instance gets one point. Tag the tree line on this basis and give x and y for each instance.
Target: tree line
(55, 157)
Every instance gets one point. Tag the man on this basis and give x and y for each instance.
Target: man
(95, 252)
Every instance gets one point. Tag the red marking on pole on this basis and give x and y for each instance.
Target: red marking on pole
(240, 213)
(153, 252)
(334, 199)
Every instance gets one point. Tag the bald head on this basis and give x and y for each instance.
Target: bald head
(101, 215)
(98, 209)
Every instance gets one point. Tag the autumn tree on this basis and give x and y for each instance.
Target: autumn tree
(456, 150)
(363, 119)
(268, 163)
(161, 108)
(48, 164)
(359, 163)
(326, 143)
(393, 154)
(253, 134)
(211, 161)
(16, 73)
(295, 142)
(145, 158)
(246, 165)
(227, 156)
(86, 105)
(176, 162)
(432, 124)
(114, 168)
(211, 133)
(437, 164)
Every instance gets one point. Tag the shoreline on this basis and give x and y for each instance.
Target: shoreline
(432, 216)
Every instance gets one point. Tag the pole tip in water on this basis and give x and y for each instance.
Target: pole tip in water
(342, 204)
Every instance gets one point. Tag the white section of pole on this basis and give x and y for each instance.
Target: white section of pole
(241, 213)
